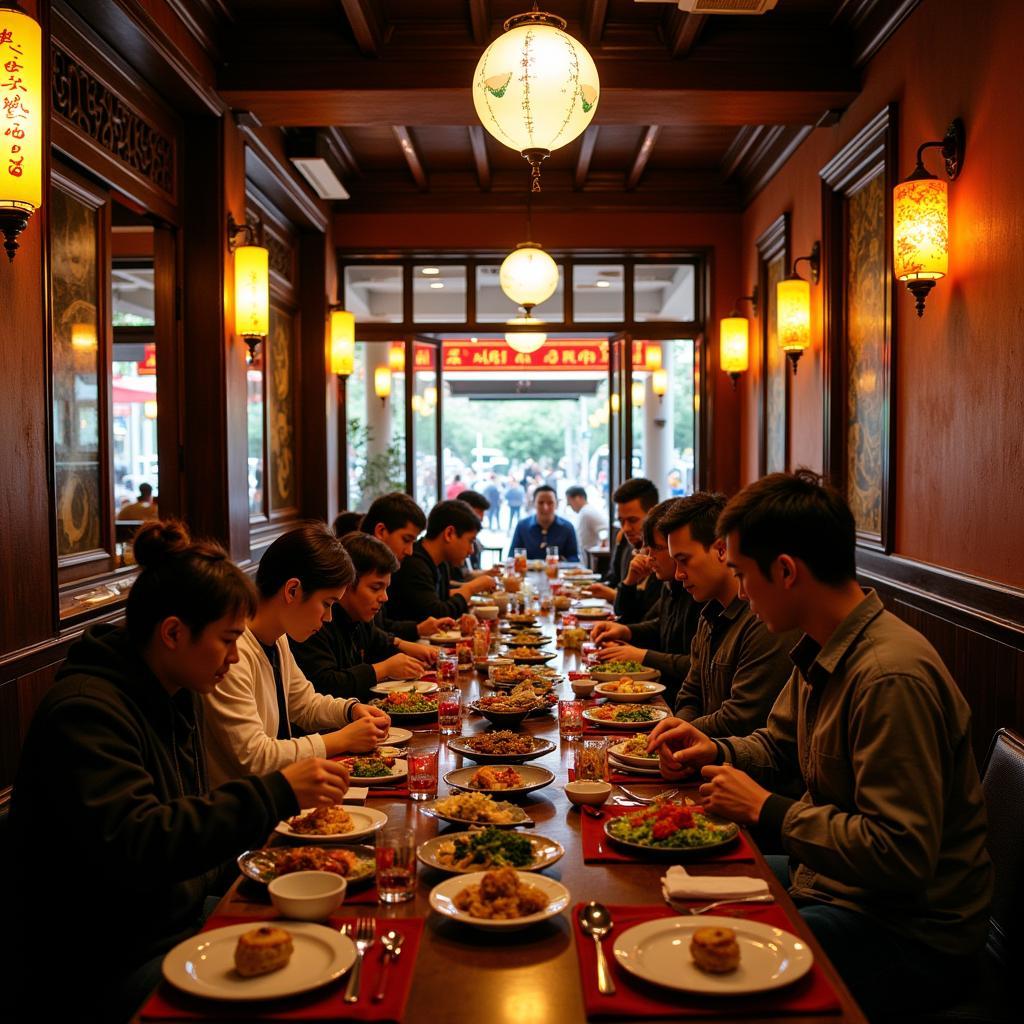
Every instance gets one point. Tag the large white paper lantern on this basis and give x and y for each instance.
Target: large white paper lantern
(523, 339)
(528, 275)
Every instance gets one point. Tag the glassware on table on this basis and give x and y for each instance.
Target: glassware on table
(555, 586)
(512, 583)
(396, 864)
(482, 641)
(449, 711)
(519, 560)
(447, 666)
(590, 759)
(551, 561)
(569, 620)
(588, 653)
(545, 603)
(570, 719)
(422, 774)
(495, 666)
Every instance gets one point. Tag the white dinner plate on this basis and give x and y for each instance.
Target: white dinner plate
(659, 952)
(445, 637)
(652, 690)
(634, 766)
(399, 771)
(204, 965)
(367, 820)
(545, 853)
(532, 776)
(442, 899)
(395, 737)
(404, 686)
(605, 723)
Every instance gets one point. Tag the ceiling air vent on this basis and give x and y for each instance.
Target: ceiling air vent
(719, 6)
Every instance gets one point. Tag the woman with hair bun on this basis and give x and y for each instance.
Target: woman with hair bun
(250, 718)
(112, 788)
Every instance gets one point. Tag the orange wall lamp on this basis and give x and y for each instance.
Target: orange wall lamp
(793, 307)
(252, 284)
(734, 339)
(920, 218)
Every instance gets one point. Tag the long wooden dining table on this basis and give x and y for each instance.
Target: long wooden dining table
(467, 976)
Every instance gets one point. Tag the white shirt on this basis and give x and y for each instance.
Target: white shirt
(241, 719)
(589, 524)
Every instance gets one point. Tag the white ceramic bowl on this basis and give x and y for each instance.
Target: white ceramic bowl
(486, 611)
(307, 895)
(582, 687)
(593, 793)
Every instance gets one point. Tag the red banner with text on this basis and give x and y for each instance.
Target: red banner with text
(559, 354)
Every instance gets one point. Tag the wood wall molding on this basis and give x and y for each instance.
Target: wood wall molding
(872, 23)
(758, 152)
(771, 243)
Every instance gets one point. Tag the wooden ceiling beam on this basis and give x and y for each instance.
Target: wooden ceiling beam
(586, 154)
(480, 20)
(362, 17)
(412, 157)
(594, 14)
(342, 150)
(483, 167)
(682, 31)
(643, 154)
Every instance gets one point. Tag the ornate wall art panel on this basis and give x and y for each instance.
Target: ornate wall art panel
(76, 353)
(773, 253)
(281, 409)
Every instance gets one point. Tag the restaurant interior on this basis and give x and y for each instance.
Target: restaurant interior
(260, 251)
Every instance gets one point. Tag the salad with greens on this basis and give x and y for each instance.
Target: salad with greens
(406, 704)
(370, 767)
(622, 667)
(488, 848)
(670, 826)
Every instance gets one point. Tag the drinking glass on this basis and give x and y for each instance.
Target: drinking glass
(482, 641)
(590, 760)
(588, 653)
(396, 864)
(447, 666)
(519, 560)
(495, 667)
(551, 562)
(449, 711)
(555, 587)
(512, 583)
(570, 719)
(423, 774)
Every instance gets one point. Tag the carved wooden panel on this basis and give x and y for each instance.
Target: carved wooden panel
(772, 259)
(281, 410)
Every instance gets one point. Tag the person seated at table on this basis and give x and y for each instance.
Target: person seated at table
(349, 654)
(397, 520)
(544, 529)
(886, 847)
(143, 507)
(628, 583)
(422, 586)
(471, 567)
(346, 522)
(589, 521)
(663, 639)
(112, 809)
(250, 717)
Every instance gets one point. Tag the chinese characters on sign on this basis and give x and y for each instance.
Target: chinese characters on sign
(581, 354)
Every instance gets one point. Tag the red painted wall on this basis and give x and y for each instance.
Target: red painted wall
(959, 413)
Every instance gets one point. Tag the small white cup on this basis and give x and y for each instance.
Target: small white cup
(307, 895)
(585, 792)
(486, 611)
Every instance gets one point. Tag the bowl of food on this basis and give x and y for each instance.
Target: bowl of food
(625, 716)
(499, 900)
(613, 671)
(506, 710)
(408, 707)
(356, 864)
(529, 655)
(501, 747)
(477, 809)
(582, 683)
(670, 828)
(481, 849)
(307, 895)
(486, 611)
(509, 780)
(586, 791)
(633, 752)
(628, 691)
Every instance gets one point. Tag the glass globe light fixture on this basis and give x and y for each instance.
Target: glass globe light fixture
(528, 275)
(524, 339)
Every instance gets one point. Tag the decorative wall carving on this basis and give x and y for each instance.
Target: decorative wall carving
(281, 409)
(106, 119)
(772, 256)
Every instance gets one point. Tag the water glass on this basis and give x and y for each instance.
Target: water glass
(482, 641)
(423, 774)
(570, 719)
(551, 561)
(449, 711)
(590, 760)
(396, 864)
(447, 666)
(519, 560)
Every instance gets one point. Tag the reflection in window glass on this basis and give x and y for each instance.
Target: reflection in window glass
(664, 291)
(131, 289)
(374, 294)
(438, 294)
(424, 412)
(254, 405)
(281, 409)
(598, 293)
(494, 306)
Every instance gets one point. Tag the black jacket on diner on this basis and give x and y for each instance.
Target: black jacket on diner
(117, 840)
(668, 633)
(422, 588)
(338, 658)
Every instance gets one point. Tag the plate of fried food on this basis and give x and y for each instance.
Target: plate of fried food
(625, 716)
(520, 619)
(477, 809)
(594, 612)
(502, 746)
(509, 676)
(529, 655)
(499, 900)
(526, 640)
(333, 824)
(375, 769)
(510, 780)
(355, 864)
(632, 753)
(628, 691)
(506, 709)
(484, 848)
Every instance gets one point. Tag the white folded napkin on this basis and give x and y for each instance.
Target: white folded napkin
(678, 884)
(356, 794)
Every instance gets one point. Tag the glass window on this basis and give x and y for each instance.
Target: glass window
(131, 286)
(598, 293)
(438, 294)
(374, 294)
(424, 413)
(281, 410)
(664, 291)
(494, 306)
(254, 405)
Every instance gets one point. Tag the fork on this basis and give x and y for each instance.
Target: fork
(657, 798)
(720, 903)
(363, 934)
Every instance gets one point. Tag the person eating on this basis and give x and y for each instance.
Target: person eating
(545, 529)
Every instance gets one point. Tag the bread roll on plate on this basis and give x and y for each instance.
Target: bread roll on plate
(263, 950)
(715, 950)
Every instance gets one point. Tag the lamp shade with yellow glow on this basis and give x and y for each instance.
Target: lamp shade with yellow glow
(528, 275)
(396, 358)
(535, 88)
(734, 345)
(615, 403)
(652, 357)
(21, 149)
(920, 233)
(343, 342)
(793, 316)
(252, 295)
(659, 383)
(637, 394)
(382, 382)
(150, 409)
(526, 338)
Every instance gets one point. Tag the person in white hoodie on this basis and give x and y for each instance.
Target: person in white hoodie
(266, 715)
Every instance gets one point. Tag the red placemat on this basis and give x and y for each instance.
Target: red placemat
(813, 993)
(255, 892)
(598, 848)
(632, 780)
(323, 1004)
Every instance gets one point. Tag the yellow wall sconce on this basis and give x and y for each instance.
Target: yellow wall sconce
(793, 307)
(734, 339)
(920, 218)
(343, 343)
(396, 358)
(382, 383)
(252, 284)
(659, 383)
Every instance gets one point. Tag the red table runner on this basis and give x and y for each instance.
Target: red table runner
(322, 1004)
(598, 848)
(813, 993)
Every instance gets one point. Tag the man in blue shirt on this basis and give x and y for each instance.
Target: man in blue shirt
(544, 529)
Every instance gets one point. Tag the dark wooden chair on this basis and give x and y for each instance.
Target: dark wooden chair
(994, 996)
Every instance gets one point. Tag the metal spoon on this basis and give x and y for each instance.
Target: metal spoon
(597, 922)
(392, 943)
